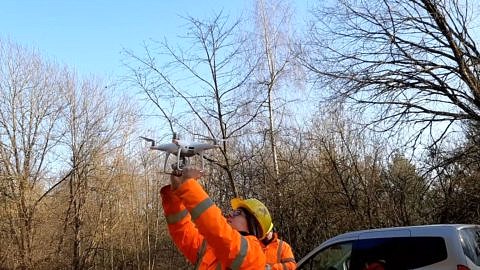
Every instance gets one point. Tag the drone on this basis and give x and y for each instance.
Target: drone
(182, 149)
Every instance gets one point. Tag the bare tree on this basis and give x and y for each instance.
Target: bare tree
(29, 115)
(274, 30)
(203, 89)
(410, 65)
(95, 127)
(405, 193)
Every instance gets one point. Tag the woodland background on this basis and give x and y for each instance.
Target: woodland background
(368, 118)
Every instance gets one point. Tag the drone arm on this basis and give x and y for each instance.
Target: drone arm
(149, 140)
(178, 157)
(165, 164)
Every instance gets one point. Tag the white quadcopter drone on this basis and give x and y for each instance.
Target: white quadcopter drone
(182, 149)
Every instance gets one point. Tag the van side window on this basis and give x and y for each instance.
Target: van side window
(470, 239)
(335, 257)
(398, 252)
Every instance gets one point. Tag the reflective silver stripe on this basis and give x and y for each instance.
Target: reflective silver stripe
(284, 266)
(174, 218)
(201, 253)
(219, 266)
(241, 254)
(279, 251)
(200, 208)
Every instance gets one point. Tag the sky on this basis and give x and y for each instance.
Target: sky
(89, 35)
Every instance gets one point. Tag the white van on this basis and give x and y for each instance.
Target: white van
(427, 247)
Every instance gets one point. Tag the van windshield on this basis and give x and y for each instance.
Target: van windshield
(470, 238)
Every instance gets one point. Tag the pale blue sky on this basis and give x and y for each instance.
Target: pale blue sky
(88, 35)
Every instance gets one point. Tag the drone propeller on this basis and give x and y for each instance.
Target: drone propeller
(215, 141)
(148, 140)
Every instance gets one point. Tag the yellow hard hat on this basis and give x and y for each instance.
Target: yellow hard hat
(258, 210)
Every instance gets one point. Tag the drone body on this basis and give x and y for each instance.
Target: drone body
(182, 149)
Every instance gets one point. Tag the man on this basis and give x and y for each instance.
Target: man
(206, 238)
(279, 253)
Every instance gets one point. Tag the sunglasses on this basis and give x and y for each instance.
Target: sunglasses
(236, 213)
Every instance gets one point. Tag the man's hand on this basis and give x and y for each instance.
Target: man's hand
(178, 177)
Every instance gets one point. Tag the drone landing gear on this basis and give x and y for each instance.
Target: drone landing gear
(180, 164)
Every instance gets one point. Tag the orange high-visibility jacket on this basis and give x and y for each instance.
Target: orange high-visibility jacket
(279, 254)
(202, 233)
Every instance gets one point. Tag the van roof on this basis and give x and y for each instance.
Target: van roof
(397, 231)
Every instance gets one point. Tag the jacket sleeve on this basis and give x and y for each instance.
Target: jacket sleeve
(287, 260)
(183, 232)
(229, 246)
